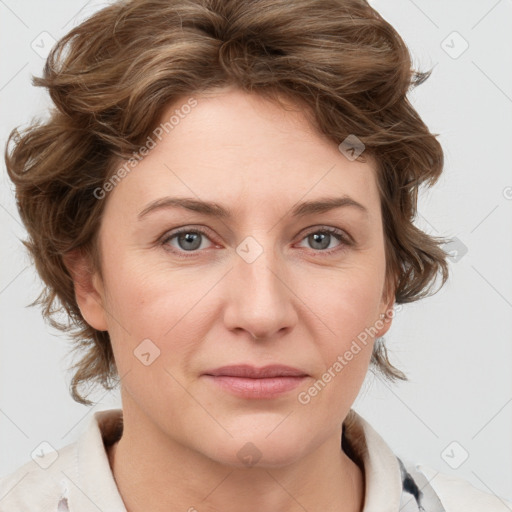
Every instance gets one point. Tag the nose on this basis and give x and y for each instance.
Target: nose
(260, 297)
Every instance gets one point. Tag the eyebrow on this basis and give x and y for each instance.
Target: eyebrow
(213, 209)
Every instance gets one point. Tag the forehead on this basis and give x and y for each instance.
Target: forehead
(232, 145)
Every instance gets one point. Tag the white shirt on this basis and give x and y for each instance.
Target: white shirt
(78, 477)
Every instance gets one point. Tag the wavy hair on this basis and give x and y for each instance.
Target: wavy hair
(111, 77)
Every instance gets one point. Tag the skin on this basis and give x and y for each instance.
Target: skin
(295, 305)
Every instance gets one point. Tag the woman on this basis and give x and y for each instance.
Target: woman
(275, 138)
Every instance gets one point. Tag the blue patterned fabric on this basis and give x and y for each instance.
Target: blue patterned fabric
(417, 493)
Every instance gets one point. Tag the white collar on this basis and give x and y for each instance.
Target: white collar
(383, 483)
(81, 477)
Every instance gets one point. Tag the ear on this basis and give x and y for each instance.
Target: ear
(386, 310)
(89, 291)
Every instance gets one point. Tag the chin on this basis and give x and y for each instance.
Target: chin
(260, 449)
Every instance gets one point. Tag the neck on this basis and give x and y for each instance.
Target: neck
(176, 478)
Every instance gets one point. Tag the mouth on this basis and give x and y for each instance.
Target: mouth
(246, 381)
(252, 372)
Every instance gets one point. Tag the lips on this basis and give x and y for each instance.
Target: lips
(248, 382)
(251, 372)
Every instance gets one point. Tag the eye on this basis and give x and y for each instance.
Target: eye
(192, 240)
(186, 240)
(321, 239)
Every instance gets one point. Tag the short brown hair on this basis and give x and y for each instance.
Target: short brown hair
(111, 77)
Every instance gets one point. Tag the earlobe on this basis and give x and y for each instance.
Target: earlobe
(89, 292)
(387, 314)
(384, 322)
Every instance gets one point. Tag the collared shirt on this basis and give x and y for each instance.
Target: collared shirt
(78, 477)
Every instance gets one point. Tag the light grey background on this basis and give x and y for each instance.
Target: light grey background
(455, 346)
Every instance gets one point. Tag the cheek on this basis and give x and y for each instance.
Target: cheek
(144, 291)
(155, 328)
(346, 315)
(345, 309)
(346, 302)
(162, 305)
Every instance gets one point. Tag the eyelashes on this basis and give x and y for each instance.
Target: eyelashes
(194, 238)
(331, 233)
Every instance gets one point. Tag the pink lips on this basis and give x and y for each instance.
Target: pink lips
(248, 381)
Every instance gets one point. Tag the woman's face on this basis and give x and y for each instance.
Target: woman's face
(274, 280)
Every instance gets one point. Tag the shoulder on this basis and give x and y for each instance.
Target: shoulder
(454, 493)
(39, 484)
(75, 477)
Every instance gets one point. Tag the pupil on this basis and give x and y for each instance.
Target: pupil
(319, 238)
(191, 238)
